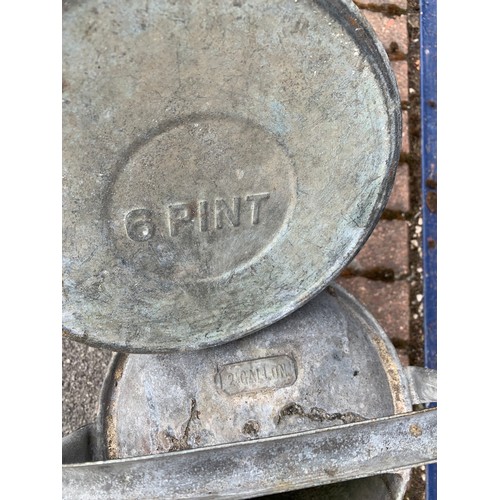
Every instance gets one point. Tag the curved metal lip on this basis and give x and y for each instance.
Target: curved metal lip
(387, 352)
(354, 22)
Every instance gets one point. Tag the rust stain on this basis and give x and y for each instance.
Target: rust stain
(431, 201)
(120, 366)
(431, 183)
(110, 421)
(111, 439)
(353, 22)
(415, 430)
(393, 376)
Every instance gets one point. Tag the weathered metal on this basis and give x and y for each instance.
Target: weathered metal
(271, 465)
(307, 401)
(223, 161)
(328, 364)
(422, 383)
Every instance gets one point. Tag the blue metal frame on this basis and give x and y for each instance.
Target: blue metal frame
(428, 94)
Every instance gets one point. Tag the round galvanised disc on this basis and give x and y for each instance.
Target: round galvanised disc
(222, 161)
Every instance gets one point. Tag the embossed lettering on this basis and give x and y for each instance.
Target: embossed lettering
(256, 200)
(180, 216)
(203, 214)
(139, 225)
(177, 213)
(265, 373)
(233, 216)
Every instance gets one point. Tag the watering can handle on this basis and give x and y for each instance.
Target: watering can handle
(262, 466)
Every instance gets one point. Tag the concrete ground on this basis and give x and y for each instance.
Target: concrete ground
(386, 276)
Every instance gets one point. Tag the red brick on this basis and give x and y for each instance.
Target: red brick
(389, 303)
(403, 357)
(400, 69)
(399, 200)
(403, 4)
(389, 30)
(386, 248)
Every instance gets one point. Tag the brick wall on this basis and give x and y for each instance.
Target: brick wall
(380, 276)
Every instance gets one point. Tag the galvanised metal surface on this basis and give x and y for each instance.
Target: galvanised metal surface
(223, 161)
(422, 383)
(271, 465)
(327, 364)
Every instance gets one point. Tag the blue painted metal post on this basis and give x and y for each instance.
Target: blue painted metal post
(428, 93)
